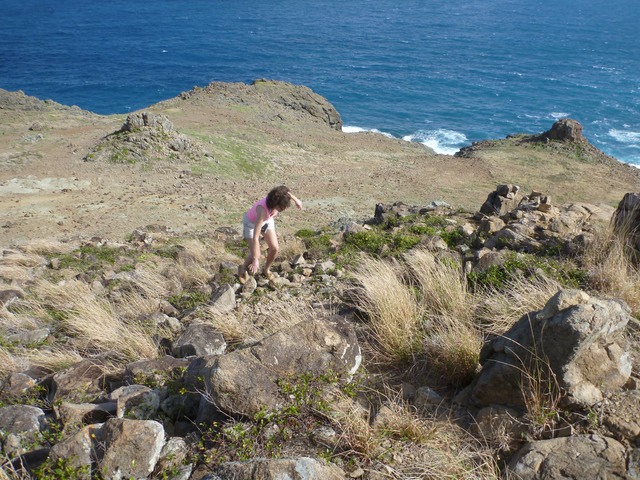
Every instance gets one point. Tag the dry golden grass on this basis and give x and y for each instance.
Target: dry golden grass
(192, 267)
(8, 472)
(10, 363)
(55, 359)
(394, 315)
(452, 349)
(499, 310)
(16, 258)
(451, 339)
(610, 260)
(141, 296)
(442, 284)
(19, 273)
(93, 323)
(353, 425)
(47, 246)
(405, 445)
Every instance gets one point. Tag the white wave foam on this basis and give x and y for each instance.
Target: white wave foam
(558, 115)
(629, 138)
(353, 129)
(441, 140)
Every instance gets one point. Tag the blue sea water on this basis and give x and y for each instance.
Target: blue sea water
(439, 72)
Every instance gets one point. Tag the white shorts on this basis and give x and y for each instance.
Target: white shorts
(248, 227)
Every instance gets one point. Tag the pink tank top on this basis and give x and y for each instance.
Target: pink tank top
(252, 214)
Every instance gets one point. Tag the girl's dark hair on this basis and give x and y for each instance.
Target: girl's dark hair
(279, 198)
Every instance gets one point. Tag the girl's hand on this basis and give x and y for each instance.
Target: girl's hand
(254, 266)
(296, 201)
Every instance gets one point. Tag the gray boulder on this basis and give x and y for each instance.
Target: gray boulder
(80, 382)
(245, 381)
(156, 372)
(76, 414)
(172, 459)
(19, 425)
(199, 339)
(579, 457)
(302, 468)
(16, 384)
(79, 450)
(136, 401)
(116, 449)
(131, 448)
(565, 129)
(223, 299)
(501, 201)
(576, 339)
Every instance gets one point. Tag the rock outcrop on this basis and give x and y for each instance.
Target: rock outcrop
(501, 201)
(584, 456)
(531, 223)
(277, 101)
(575, 343)
(564, 130)
(245, 382)
(146, 137)
(626, 219)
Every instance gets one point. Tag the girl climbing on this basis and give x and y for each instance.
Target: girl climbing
(258, 222)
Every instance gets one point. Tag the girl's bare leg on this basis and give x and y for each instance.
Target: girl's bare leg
(242, 269)
(271, 239)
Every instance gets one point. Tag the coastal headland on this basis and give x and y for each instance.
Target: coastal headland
(65, 172)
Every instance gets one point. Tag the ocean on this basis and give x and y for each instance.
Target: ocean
(433, 71)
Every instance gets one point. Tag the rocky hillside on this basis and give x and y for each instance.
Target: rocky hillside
(471, 316)
(424, 343)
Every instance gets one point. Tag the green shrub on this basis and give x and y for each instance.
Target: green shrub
(306, 233)
(188, 300)
(368, 241)
(88, 257)
(527, 265)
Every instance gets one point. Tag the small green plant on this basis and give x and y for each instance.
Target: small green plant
(527, 265)
(188, 300)
(306, 233)
(318, 244)
(421, 229)
(61, 469)
(368, 241)
(35, 396)
(88, 258)
(122, 156)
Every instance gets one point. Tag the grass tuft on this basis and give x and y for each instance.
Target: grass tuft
(391, 307)
(93, 323)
